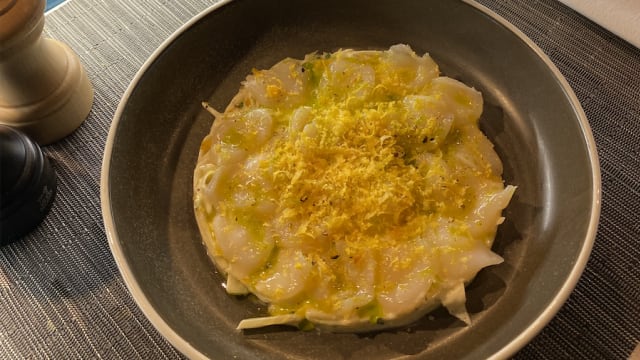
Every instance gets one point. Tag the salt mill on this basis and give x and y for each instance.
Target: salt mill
(44, 90)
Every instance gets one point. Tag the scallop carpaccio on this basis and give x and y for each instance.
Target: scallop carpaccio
(350, 191)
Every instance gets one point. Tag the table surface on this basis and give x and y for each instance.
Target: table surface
(62, 297)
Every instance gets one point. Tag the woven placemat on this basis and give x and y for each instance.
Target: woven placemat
(62, 297)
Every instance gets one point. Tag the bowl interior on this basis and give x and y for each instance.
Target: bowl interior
(528, 114)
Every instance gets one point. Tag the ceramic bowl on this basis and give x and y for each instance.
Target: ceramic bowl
(531, 114)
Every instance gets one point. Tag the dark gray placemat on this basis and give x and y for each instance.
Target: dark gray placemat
(61, 295)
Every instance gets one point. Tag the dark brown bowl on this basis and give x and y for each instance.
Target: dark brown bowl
(531, 114)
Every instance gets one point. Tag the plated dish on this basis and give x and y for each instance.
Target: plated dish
(530, 114)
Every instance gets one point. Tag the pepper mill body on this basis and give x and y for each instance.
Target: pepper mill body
(44, 89)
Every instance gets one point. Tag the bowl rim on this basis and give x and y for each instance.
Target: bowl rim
(507, 351)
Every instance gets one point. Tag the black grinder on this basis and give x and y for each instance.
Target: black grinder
(28, 184)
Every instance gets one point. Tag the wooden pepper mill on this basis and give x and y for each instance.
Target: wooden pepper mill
(44, 90)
